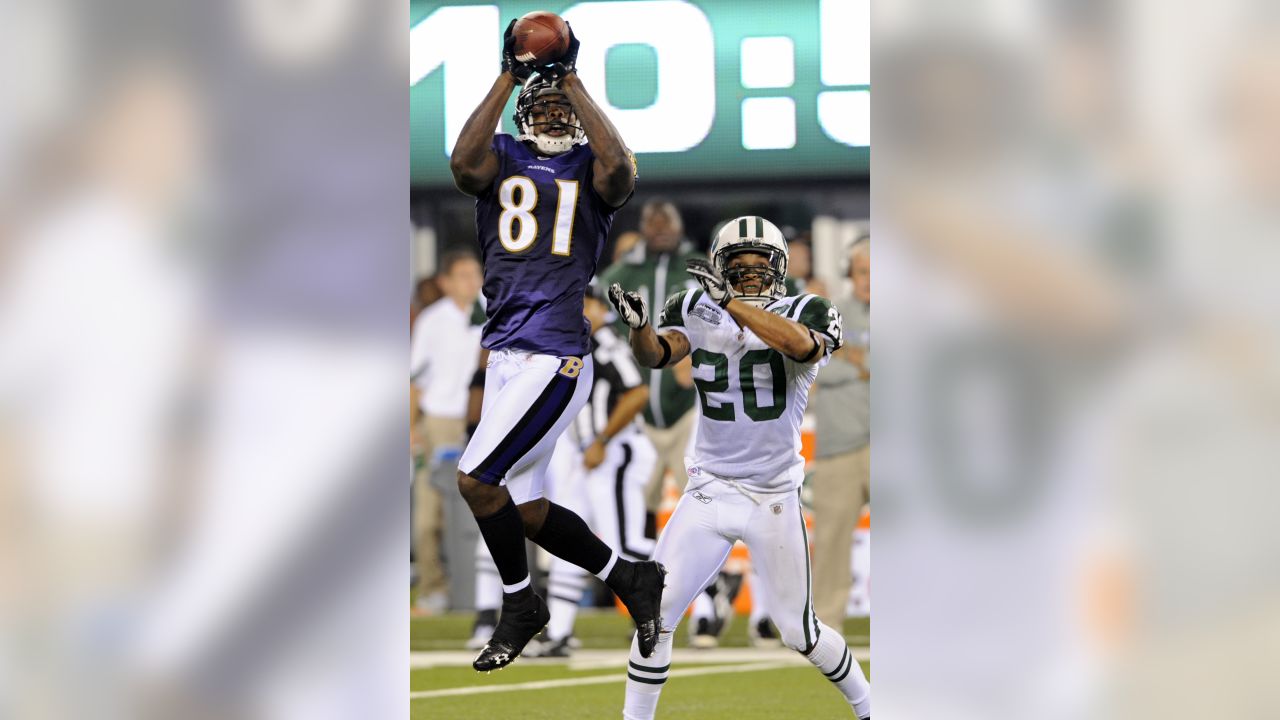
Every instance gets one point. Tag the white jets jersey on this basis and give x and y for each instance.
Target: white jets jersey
(751, 397)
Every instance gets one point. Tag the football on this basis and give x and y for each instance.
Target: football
(540, 37)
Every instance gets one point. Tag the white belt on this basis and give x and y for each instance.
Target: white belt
(752, 495)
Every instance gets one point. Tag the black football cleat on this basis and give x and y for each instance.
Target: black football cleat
(516, 627)
(642, 594)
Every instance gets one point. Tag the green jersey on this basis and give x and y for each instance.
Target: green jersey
(655, 277)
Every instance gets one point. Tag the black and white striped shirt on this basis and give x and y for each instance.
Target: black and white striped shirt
(616, 372)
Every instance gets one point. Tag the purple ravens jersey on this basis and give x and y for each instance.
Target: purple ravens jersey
(541, 227)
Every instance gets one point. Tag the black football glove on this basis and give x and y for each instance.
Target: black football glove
(520, 71)
(630, 307)
(566, 63)
(717, 287)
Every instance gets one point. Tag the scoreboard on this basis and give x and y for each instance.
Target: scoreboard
(711, 90)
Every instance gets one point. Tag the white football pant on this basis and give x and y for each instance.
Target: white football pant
(695, 544)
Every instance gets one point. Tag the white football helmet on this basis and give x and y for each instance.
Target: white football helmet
(752, 233)
(532, 99)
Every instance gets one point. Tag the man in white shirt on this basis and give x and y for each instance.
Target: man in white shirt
(445, 346)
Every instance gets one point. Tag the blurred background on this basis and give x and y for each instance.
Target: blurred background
(1074, 406)
(201, 359)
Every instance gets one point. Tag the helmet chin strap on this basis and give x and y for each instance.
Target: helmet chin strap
(550, 145)
(757, 300)
(762, 298)
(771, 288)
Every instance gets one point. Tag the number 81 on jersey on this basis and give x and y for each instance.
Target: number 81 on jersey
(518, 196)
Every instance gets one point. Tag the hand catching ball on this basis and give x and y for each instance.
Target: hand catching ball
(541, 37)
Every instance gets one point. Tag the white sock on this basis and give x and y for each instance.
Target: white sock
(645, 677)
(563, 615)
(613, 554)
(564, 593)
(833, 659)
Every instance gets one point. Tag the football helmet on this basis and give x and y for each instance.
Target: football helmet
(752, 233)
(535, 98)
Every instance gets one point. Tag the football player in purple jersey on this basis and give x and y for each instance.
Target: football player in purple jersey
(544, 202)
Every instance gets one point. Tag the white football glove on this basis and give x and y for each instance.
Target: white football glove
(716, 286)
(630, 307)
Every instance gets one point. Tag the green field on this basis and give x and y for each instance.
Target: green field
(733, 683)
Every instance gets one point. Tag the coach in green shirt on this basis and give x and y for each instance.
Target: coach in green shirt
(655, 268)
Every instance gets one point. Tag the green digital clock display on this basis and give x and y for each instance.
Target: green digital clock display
(711, 90)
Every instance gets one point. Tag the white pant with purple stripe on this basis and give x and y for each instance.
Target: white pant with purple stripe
(529, 401)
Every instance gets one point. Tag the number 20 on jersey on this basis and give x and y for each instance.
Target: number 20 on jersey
(518, 226)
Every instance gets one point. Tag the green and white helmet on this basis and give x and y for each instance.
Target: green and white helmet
(752, 233)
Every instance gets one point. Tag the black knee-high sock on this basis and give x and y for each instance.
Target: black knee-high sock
(566, 536)
(503, 533)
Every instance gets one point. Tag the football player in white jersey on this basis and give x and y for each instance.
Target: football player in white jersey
(755, 353)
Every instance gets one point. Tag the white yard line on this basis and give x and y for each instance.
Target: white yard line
(594, 680)
(744, 659)
(587, 659)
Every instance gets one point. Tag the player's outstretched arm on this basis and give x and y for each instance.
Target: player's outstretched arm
(658, 350)
(786, 336)
(651, 349)
(615, 174)
(473, 162)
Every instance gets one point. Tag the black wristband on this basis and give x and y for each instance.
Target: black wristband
(817, 345)
(666, 352)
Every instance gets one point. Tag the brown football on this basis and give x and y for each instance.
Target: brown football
(540, 37)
